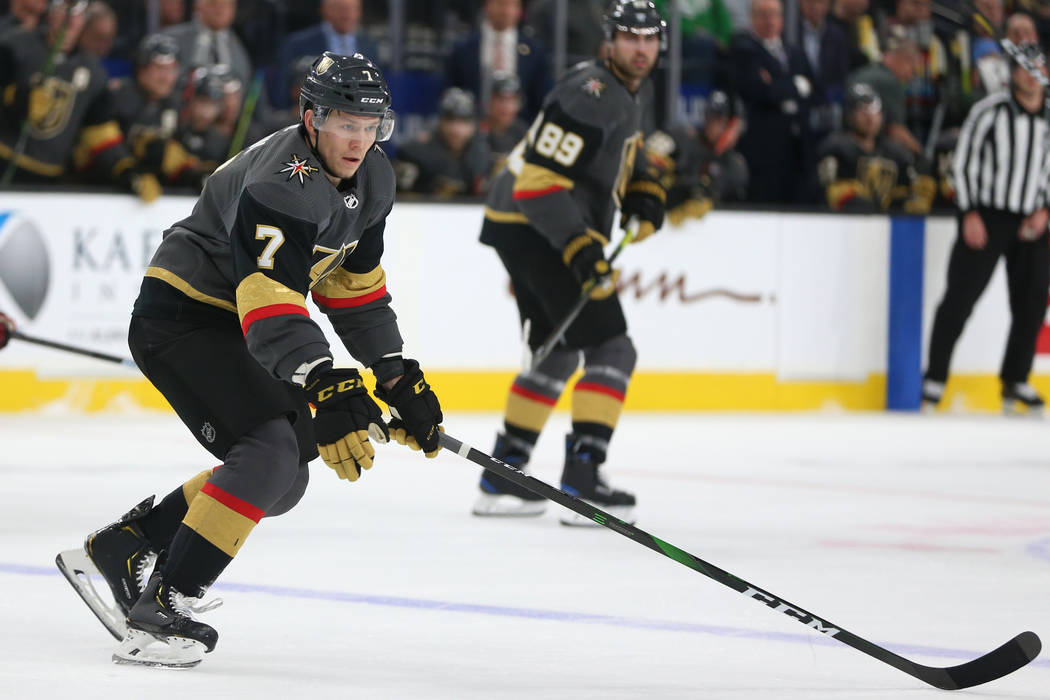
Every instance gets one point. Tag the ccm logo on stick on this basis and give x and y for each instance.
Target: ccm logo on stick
(777, 604)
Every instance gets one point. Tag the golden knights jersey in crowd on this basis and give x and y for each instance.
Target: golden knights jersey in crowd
(268, 229)
(885, 178)
(149, 130)
(569, 172)
(71, 117)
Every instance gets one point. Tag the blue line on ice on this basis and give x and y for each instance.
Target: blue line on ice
(538, 614)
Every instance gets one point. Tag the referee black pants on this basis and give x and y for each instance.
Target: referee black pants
(1028, 280)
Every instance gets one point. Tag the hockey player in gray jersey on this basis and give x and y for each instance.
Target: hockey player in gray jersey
(548, 215)
(221, 328)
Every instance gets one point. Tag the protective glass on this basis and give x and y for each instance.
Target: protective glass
(345, 125)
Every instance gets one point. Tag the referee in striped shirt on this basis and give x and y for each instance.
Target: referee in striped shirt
(1001, 168)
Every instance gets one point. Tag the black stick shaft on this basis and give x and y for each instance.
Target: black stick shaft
(19, 335)
(544, 350)
(1008, 658)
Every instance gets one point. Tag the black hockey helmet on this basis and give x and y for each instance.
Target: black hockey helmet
(208, 83)
(156, 47)
(351, 84)
(637, 17)
(456, 103)
(861, 96)
(505, 84)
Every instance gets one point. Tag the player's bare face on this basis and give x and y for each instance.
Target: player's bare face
(634, 55)
(344, 140)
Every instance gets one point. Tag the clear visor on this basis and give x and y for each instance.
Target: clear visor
(345, 125)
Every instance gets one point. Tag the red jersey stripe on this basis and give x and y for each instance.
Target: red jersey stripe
(533, 194)
(269, 312)
(349, 302)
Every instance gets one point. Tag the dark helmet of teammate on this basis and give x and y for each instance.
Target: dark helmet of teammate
(637, 17)
(456, 103)
(209, 83)
(351, 84)
(156, 47)
(505, 84)
(718, 105)
(861, 96)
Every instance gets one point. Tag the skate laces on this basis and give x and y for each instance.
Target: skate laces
(191, 607)
(141, 565)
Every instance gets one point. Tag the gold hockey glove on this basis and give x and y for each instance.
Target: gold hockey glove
(345, 417)
(646, 200)
(414, 409)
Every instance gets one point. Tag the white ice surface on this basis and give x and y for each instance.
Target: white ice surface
(929, 535)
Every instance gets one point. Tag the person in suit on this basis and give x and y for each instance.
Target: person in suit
(339, 32)
(207, 40)
(498, 47)
(775, 84)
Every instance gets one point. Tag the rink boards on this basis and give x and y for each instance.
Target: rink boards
(738, 311)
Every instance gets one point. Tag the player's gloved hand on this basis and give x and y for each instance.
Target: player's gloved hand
(6, 326)
(146, 186)
(415, 411)
(646, 200)
(346, 416)
(585, 257)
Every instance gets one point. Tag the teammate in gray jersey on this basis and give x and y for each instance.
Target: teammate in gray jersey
(549, 213)
(221, 328)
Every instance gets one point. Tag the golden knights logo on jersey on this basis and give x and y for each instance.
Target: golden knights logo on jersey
(51, 103)
(878, 175)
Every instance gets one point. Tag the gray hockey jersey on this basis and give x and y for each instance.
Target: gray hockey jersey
(270, 228)
(569, 172)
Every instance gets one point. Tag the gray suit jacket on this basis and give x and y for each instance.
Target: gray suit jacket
(195, 50)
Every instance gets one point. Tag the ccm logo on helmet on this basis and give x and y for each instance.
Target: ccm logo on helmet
(371, 100)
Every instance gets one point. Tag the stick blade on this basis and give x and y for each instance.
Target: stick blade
(1003, 661)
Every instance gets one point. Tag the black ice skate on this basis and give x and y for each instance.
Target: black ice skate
(500, 497)
(581, 479)
(1020, 398)
(162, 630)
(122, 556)
(932, 393)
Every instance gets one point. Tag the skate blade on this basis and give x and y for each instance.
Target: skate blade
(507, 506)
(622, 513)
(1017, 409)
(78, 569)
(140, 648)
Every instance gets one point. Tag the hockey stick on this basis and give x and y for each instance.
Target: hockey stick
(247, 111)
(544, 350)
(127, 362)
(1006, 659)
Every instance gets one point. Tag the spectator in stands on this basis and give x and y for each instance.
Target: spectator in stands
(827, 49)
(775, 84)
(851, 16)
(24, 13)
(709, 18)
(207, 40)
(148, 111)
(170, 13)
(888, 77)
(275, 119)
(339, 31)
(198, 132)
(584, 35)
(502, 127)
(862, 171)
(100, 29)
(454, 160)
(498, 47)
(700, 169)
(926, 87)
(69, 117)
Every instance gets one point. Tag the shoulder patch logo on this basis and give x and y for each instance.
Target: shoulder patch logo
(594, 87)
(300, 168)
(351, 201)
